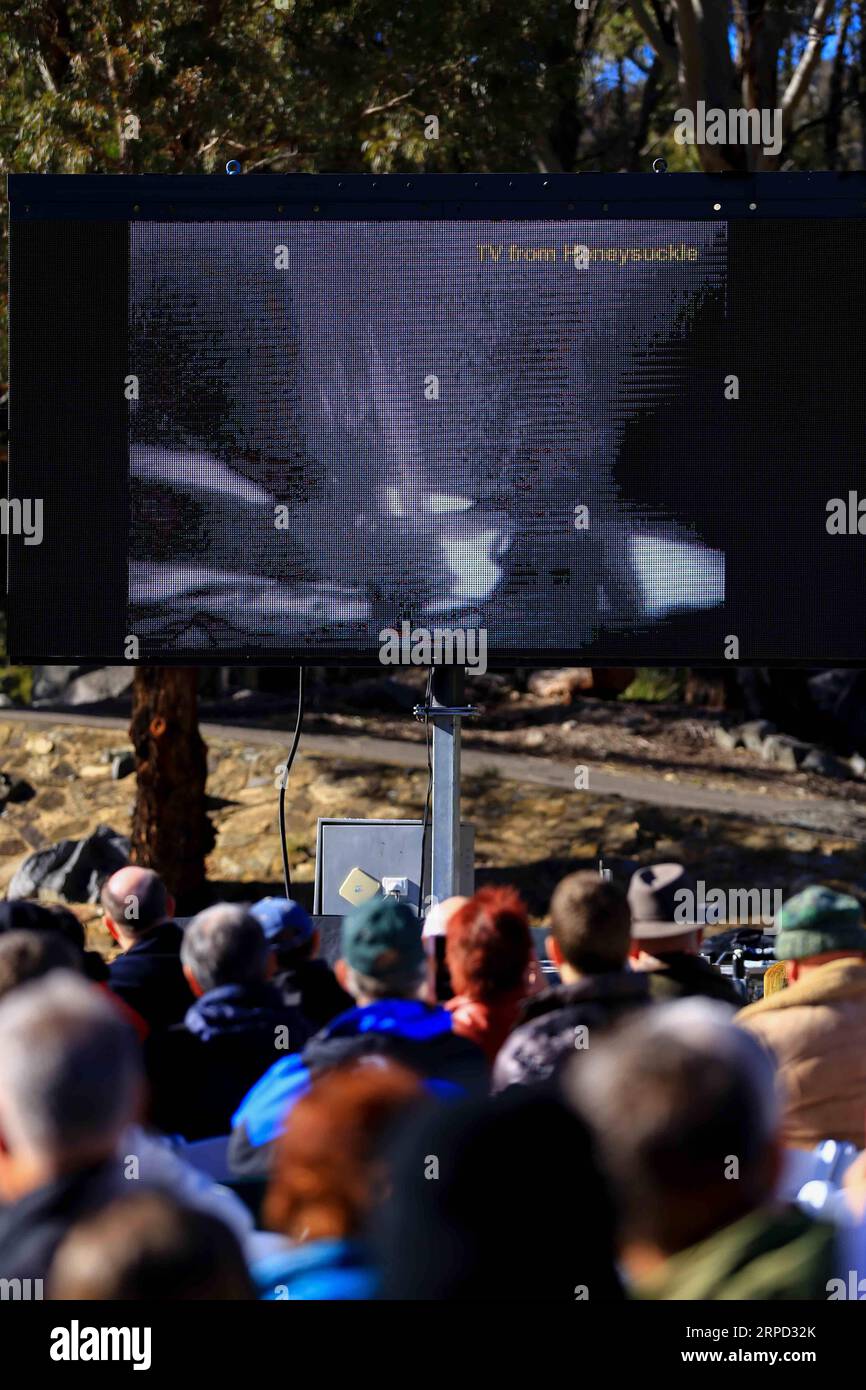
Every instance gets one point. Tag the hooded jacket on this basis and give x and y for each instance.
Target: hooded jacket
(416, 1035)
(538, 1048)
(816, 1029)
(201, 1069)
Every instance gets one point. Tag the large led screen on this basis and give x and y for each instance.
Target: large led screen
(591, 437)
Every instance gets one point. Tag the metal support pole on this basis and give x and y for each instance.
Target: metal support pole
(448, 689)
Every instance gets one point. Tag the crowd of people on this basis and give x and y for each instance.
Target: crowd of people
(219, 1114)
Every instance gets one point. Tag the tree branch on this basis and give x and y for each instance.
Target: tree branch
(796, 88)
(666, 51)
(45, 74)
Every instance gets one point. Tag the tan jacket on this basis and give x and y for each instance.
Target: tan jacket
(816, 1029)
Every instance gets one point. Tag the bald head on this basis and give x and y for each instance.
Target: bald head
(135, 901)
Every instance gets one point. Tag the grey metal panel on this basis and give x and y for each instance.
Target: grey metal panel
(382, 848)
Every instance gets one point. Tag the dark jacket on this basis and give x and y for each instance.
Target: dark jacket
(683, 975)
(540, 1045)
(32, 1228)
(313, 988)
(418, 1036)
(149, 978)
(199, 1071)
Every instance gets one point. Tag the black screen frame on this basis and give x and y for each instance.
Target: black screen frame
(124, 199)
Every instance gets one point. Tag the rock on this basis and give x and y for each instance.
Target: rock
(754, 732)
(6, 701)
(585, 850)
(123, 765)
(333, 796)
(857, 764)
(561, 685)
(72, 869)
(50, 682)
(838, 695)
(729, 739)
(621, 837)
(825, 764)
(784, 751)
(108, 755)
(105, 683)
(51, 799)
(40, 745)
(14, 789)
(11, 844)
(80, 685)
(93, 772)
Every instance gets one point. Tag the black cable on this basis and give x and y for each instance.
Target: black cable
(428, 696)
(284, 779)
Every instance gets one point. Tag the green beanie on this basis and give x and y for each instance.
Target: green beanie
(382, 939)
(816, 921)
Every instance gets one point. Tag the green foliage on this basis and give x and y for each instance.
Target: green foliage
(656, 685)
(15, 681)
(289, 86)
(311, 86)
(301, 86)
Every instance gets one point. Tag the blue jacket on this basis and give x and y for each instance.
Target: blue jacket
(416, 1035)
(321, 1269)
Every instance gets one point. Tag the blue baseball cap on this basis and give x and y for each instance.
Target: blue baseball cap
(283, 920)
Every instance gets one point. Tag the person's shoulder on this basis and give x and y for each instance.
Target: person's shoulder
(533, 1049)
(147, 957)
(123, 967)
(170, 1044)
(684, 975)
(324, 1269)
(299, 1028)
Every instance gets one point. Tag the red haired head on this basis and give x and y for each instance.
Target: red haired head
(489, 945)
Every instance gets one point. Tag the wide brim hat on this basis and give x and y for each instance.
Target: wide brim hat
(662, 899)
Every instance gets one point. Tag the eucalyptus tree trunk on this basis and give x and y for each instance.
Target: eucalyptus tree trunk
(171, 831)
